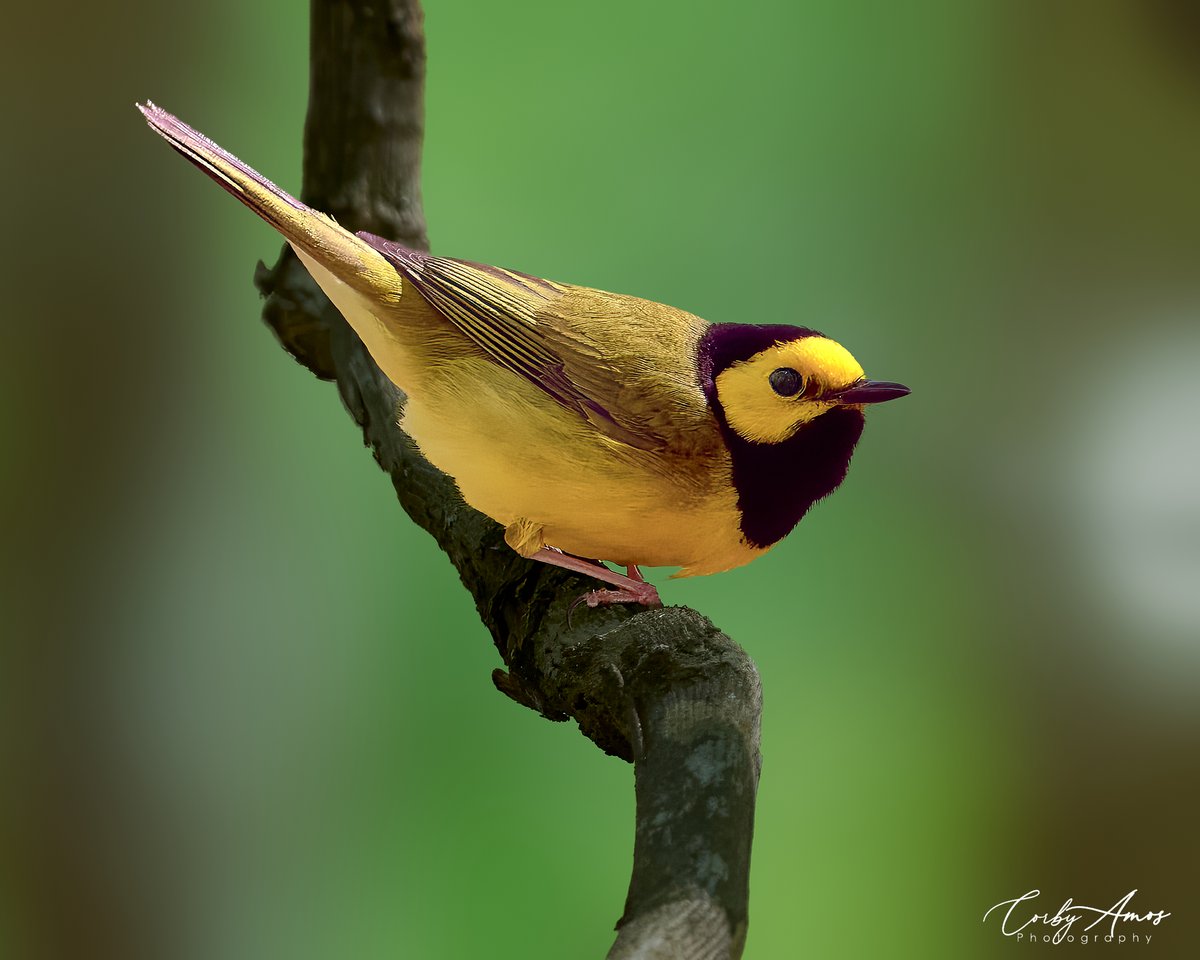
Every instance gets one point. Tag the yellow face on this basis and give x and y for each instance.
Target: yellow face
(770, 396)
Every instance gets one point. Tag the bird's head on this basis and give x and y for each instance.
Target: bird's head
(770, 381)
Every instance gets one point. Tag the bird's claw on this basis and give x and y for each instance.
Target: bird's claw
(645, 594)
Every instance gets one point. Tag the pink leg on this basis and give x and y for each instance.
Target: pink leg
(630, 589)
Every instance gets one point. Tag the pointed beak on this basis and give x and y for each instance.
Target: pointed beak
(872, 391)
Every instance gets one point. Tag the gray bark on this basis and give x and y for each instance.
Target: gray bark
(662, 688)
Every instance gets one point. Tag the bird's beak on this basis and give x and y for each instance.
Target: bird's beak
(872, 391)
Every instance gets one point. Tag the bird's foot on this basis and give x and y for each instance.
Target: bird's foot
(631, 587)
(638, 591)
(645, 593)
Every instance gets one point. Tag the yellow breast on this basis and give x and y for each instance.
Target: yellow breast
(517, 457)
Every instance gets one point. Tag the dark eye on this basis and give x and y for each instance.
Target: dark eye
(786, 382)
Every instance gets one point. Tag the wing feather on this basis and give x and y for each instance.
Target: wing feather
(511, 318)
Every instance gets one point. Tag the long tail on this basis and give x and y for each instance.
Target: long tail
(312, 233)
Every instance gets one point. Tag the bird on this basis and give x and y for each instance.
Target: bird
(592, 426)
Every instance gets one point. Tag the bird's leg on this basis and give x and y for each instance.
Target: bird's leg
(630, 589)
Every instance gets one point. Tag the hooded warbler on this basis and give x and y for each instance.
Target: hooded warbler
(589, 424)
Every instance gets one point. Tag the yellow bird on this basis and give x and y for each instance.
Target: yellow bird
(589, 424)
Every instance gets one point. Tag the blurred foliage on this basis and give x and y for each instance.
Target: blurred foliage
(249, 708)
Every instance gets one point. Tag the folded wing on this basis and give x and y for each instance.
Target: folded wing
(516, 320)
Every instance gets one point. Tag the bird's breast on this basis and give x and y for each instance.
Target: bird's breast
(515, 456)
(777, 483)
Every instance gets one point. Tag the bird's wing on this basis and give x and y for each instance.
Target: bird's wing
(521, 323)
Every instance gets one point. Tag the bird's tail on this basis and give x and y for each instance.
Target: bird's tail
(313, 234)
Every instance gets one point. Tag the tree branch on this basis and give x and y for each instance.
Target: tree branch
(663, 688)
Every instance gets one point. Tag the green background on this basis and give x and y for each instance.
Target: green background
(247, 705)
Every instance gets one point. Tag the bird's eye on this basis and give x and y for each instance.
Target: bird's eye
(786, 382)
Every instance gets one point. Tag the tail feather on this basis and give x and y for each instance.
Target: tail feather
(311, 233)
